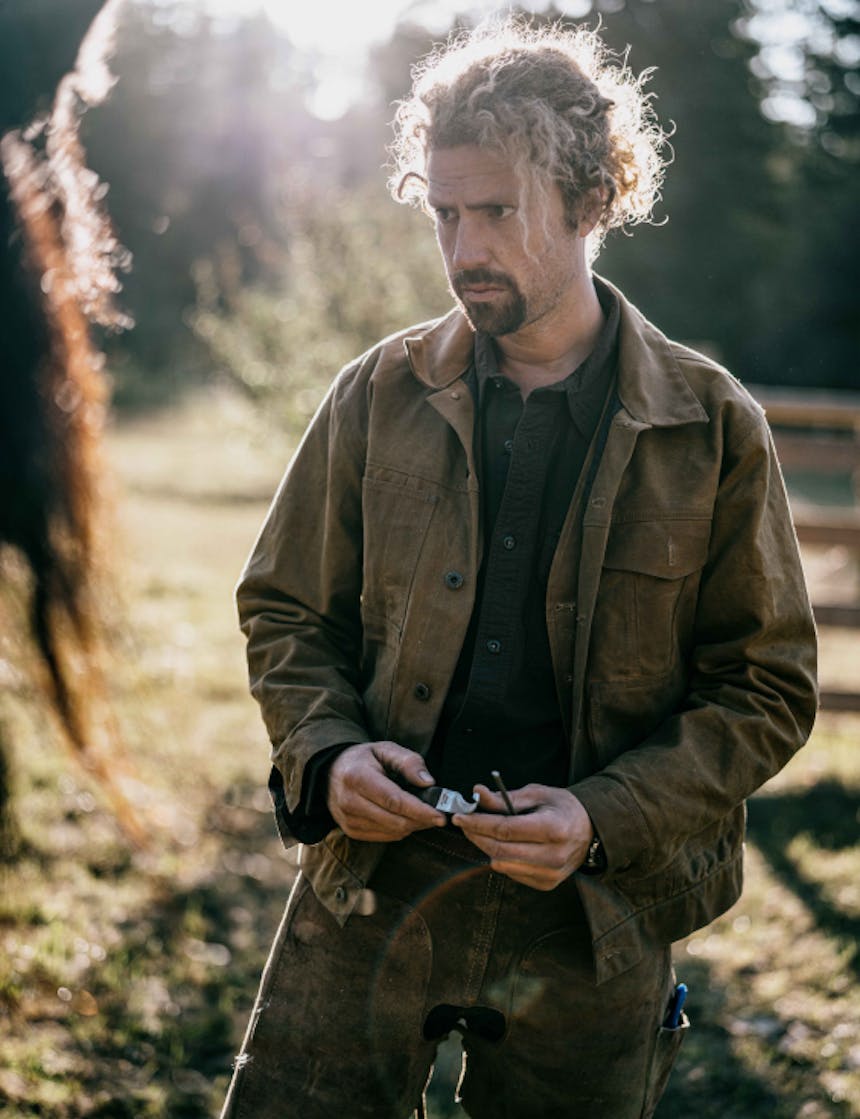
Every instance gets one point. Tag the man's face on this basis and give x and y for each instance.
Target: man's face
(511, 259)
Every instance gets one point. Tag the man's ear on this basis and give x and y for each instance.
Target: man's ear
(591, 207)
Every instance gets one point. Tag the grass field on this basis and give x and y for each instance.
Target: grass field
(126, 976)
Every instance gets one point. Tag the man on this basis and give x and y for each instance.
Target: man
(532, 539)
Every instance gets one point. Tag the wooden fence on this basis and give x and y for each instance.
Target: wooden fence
(819, 432)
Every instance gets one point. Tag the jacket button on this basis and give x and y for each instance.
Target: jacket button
(510, 542)
(422, 692)
(494, 646)
(509, 446)
(453, 580)
(340, 894)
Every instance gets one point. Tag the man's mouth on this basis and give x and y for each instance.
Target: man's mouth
(480, 286)
(481, 291)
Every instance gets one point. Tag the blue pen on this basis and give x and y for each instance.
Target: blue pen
(679, 997)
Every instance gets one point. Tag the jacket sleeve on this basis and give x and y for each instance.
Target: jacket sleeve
(751, 695)
(299, 595)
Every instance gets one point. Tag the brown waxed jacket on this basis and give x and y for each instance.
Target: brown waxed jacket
(682, 640)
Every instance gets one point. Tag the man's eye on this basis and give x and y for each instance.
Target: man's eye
(500, 212)
(443, 214)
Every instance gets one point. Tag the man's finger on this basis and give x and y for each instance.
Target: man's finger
(531, 828)
(362, 773)
(391, 799)
(363, 818)
(368, 816)
(526, 854)
(411, 765)
(378, 788)
(536, 878)
(490, 800)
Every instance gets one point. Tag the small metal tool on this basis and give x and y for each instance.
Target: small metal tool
(500, 785)
(445, 800)
(451, 801)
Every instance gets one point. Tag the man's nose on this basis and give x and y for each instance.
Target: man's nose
(470, 247)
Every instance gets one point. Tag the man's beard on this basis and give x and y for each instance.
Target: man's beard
(505, 315)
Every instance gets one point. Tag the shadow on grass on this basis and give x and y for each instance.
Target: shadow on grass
(709, 1080)
(176, 992)
(828, 813)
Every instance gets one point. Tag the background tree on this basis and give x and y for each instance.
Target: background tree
(193, 143)
(209, 147)
(810, 86)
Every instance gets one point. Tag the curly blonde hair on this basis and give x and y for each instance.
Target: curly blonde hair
(555, 101)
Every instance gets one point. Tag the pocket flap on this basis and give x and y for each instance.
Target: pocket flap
(667, 549)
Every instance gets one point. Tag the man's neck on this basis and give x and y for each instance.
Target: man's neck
(549, 349)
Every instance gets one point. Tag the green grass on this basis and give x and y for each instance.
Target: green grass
(126, 976)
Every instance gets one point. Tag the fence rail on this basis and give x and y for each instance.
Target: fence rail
(827, 529)
(819, 432)
(809, 407)
(831, 614)
(819, 454)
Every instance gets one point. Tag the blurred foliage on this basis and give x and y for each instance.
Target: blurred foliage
(190, 143)
(356, 269)
(208, 132)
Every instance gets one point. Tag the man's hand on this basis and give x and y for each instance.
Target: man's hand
(367, 804)
(542, 845)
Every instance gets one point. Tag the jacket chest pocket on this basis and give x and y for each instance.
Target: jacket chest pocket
(398, 510)
(645, 608)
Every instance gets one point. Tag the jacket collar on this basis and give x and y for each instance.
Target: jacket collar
(651, 385)
(443, 352)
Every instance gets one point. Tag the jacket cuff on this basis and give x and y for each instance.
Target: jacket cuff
(293, 752)
(310, 821)
(617, 819)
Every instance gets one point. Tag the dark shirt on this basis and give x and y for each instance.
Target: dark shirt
(502, 710)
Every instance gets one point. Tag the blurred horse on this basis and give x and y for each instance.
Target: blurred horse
(58, 263)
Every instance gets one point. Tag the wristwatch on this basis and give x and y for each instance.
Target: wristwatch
(595, 857)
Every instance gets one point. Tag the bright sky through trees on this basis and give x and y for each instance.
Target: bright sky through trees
(336, 36)
(338, 33)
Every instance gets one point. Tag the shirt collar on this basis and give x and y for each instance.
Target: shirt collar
(585, 386)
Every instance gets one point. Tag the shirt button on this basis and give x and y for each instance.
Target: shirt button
(497, 381)
(509, 446)
(422, 692)
(494, 646)
(340, 894)
(510, 542)
(453, 580)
